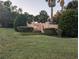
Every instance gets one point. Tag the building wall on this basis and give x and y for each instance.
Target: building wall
(41, 26)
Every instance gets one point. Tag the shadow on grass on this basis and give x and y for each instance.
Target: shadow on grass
(30, 33)
(35, 33)
(38, 33)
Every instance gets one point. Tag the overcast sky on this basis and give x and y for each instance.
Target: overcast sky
(35, 6)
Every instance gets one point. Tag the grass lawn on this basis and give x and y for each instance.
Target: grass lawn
(13, 45)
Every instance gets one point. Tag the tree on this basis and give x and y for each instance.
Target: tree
(14, 8)
(20, 11)
(37, 18)
(69, 23)
(26, 13)
(5, 15)
(43, 12)
(8, 13)
(42, 17)
(72, 5)
(61, 3)
(56, 17)
(8, 4)
(30, 18)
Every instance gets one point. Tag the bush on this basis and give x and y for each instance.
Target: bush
(24, 29)
(20, 21)
(69, 23)
(50, 31)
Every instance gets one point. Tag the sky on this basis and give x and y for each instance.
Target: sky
(35, 6)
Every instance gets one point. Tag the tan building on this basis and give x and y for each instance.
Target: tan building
(41, 26)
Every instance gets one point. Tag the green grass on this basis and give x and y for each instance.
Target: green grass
(13, 45)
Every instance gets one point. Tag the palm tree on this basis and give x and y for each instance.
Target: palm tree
(51, 3)
(61, 3)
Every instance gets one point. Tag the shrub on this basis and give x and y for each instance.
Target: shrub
(20, 21)
(24, 29)
(50, 31)
(69, 23)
